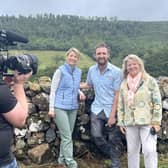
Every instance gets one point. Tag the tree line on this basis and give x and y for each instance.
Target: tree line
(60, 32)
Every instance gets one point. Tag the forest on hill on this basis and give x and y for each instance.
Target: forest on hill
(149, 40)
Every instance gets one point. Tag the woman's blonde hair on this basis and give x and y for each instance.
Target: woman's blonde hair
(76, 51)
(138, 60)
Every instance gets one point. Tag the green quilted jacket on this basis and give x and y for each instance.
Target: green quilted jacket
(147, 107)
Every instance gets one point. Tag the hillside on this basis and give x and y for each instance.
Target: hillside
(59, 33)
(50, 60)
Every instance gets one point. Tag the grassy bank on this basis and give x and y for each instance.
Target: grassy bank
(53, 58)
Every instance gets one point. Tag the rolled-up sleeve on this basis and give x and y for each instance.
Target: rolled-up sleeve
(89, 79)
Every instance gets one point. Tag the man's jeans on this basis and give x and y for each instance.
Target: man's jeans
(11, 165)
(107, 139)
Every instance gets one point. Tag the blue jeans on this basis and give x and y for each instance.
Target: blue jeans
(13, 164)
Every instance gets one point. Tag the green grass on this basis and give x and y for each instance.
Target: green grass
(162, 161)
(48, 59)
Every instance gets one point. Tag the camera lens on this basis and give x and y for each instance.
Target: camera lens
(23, 63)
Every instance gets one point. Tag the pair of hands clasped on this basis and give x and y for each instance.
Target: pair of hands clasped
(82, 97)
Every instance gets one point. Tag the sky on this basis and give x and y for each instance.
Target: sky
(138, 10)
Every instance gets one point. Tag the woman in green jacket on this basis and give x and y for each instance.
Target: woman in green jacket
(139, 112)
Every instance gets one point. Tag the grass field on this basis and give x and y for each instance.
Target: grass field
(49, 59)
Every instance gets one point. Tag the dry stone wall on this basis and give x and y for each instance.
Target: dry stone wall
(39, 140)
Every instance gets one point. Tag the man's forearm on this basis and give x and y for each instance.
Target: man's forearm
(115, 103)
(20, 95)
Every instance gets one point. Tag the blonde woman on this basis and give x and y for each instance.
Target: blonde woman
(64, 104)
(139, 112)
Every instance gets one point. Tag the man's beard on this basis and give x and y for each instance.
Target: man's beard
(102, 63)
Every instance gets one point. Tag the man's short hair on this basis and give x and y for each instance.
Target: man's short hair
(103, 45)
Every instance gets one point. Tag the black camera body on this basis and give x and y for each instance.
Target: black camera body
(22, 63)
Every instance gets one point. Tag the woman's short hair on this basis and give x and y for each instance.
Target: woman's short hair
(137, 59)
(76, 51)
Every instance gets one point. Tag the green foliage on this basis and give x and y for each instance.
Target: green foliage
(156, 61)
(59, 33)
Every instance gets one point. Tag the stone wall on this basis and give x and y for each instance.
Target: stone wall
(39, 140)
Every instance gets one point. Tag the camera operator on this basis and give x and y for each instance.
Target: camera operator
(13, 113)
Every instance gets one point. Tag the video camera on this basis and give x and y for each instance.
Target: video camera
(22, 63)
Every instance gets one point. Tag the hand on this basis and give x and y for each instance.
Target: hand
(51, 114)
(8, 80)
(82, 97)
(21, 78)
(111, 121)
(84, 85)
(157, 127)
(123, 129)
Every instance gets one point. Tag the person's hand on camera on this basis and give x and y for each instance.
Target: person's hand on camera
(21, 78)
(8, 80)
(17, 78)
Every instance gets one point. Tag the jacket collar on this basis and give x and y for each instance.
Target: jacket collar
(69, 68)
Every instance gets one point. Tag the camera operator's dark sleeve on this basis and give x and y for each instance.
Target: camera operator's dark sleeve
(7, 99)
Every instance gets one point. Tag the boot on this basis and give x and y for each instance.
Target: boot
(115, 163)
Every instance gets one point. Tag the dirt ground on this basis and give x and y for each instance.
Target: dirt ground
(82, 163)
(97, 163)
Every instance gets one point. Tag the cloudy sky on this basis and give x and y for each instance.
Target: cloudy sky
(144, 10)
